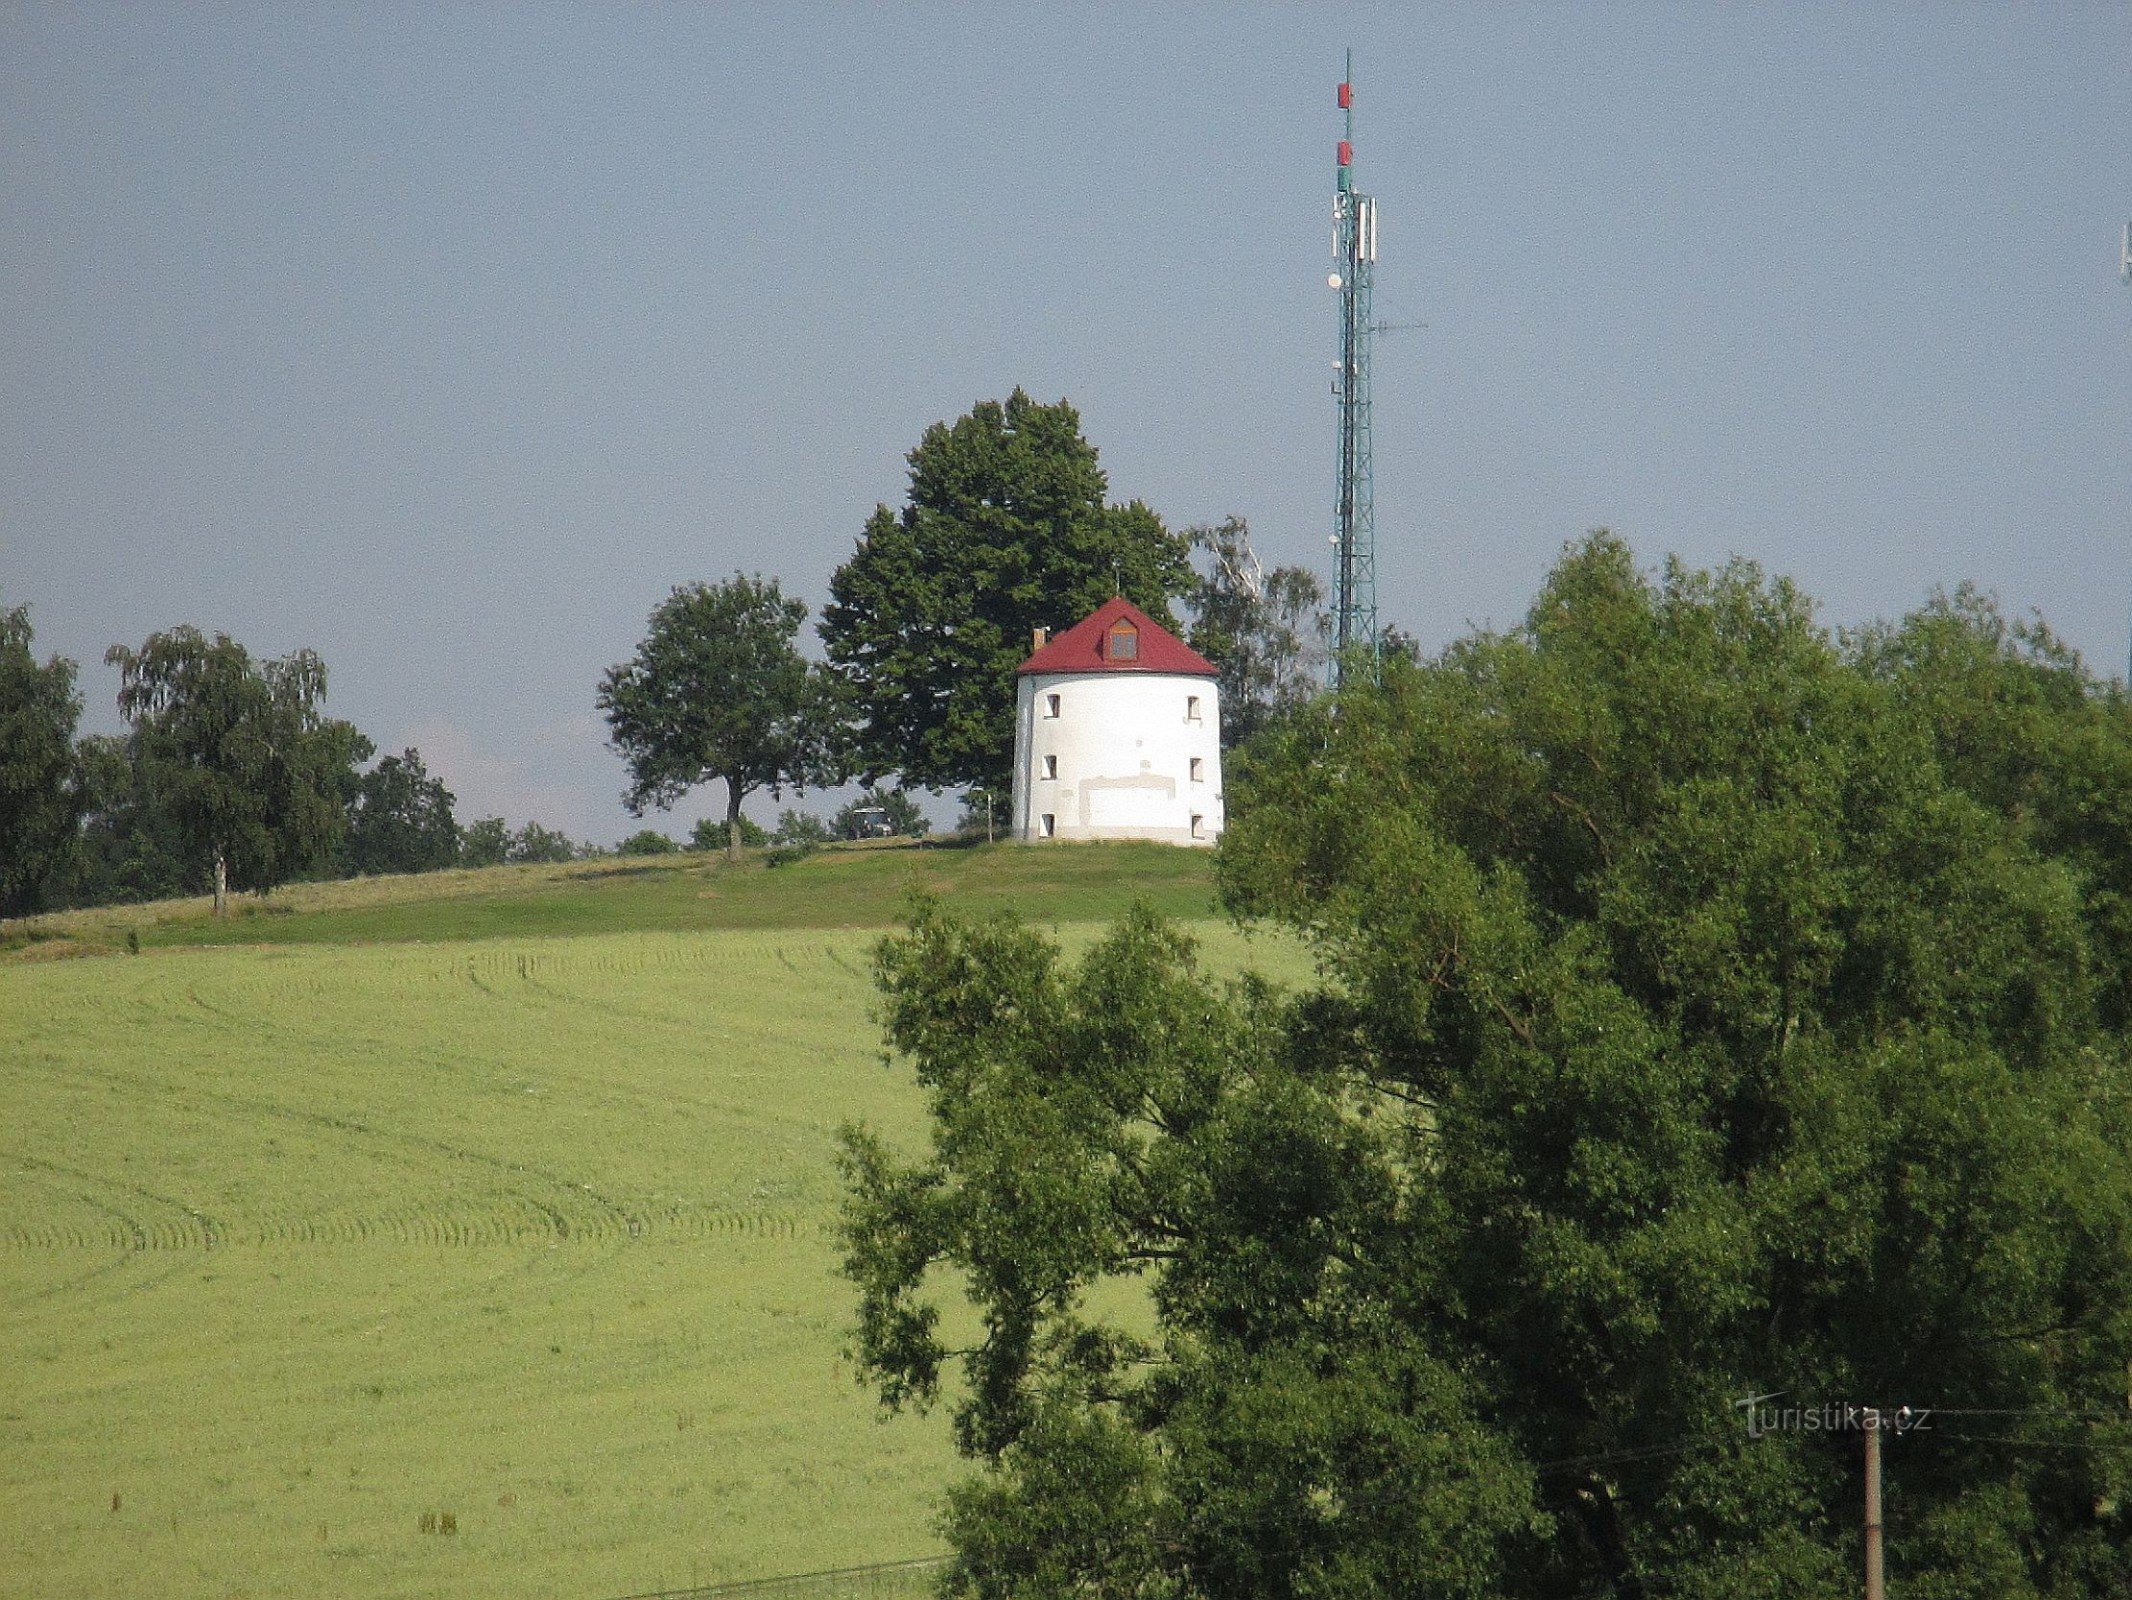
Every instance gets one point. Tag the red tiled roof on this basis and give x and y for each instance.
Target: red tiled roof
(1084, 647)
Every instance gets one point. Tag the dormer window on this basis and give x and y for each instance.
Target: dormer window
(1123, 642)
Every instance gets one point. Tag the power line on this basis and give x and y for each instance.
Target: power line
(1644, 1453)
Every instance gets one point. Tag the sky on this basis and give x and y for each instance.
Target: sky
(446, 340)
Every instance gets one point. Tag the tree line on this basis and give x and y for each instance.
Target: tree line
(231, 776)
(1006, 527)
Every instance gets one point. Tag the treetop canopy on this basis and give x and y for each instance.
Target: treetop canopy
(1711, 1006)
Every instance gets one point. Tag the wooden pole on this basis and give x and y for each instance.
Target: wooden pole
(1875, 1589)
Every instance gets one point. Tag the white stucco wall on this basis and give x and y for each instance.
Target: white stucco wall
(1123, 746)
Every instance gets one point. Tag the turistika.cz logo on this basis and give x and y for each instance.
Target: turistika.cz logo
(1833, 1416)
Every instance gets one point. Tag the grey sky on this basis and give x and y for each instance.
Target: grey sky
(445, 340)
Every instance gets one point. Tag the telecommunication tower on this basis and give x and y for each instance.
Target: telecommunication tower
(1354, 248)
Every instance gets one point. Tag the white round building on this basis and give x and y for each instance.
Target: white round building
(1117, 734)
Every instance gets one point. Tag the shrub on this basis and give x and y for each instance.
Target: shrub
(709, 835)
(801, 827)
(535, 843)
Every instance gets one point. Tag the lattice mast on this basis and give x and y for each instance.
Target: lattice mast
(1354, 538)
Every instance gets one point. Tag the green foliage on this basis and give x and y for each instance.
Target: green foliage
(237, 755)
(717, 690)
(647, 842)
(898, 811)
(41, 796)
(1005, 529)
(709, 835)
(1266, 631)
(1270, 1429)
(801, 828)
(130, 848)
(486, 843)
(401, 820)
(536, 843)
(1710, 1008)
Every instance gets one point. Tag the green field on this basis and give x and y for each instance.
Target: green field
(846, 887)
(394, 1212)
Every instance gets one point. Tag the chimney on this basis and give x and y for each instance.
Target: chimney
(1038, 638)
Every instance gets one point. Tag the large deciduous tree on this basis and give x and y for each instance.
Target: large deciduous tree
(41, 799)
(1265, 631)
(401, 820)
(238, 755)
(1005, 530)
(130, 847)
(1709, 1007)
(718, 691)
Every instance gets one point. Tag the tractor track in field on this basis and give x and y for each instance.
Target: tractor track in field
(434, 1193)
(122, 1233)
(532, 1204)
(468, 1225)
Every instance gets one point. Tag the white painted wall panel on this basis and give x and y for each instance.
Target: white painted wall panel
(1123, 744)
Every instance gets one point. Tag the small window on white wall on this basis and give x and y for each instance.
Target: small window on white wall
(1051, 766)
(1197, 819)
(1191, 708)
(1198, 772)
(1051, 705)
(1047, 823)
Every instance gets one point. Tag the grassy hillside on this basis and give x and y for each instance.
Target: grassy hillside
(303, 1243)
(856, 887)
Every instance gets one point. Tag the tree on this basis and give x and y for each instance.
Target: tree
(646, 842)
(1709, 1007)
(717, 691)
(253, 776)
(41, 797)
(801, 828)
(485, 843)
(548, 846)
(130, 847)
(401, 820)
(1266, 631)
(1005, 530)
(898, 811)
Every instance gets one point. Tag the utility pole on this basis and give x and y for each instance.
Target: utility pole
(1875, 1589)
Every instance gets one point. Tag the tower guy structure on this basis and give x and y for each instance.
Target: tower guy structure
(1354, 244)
